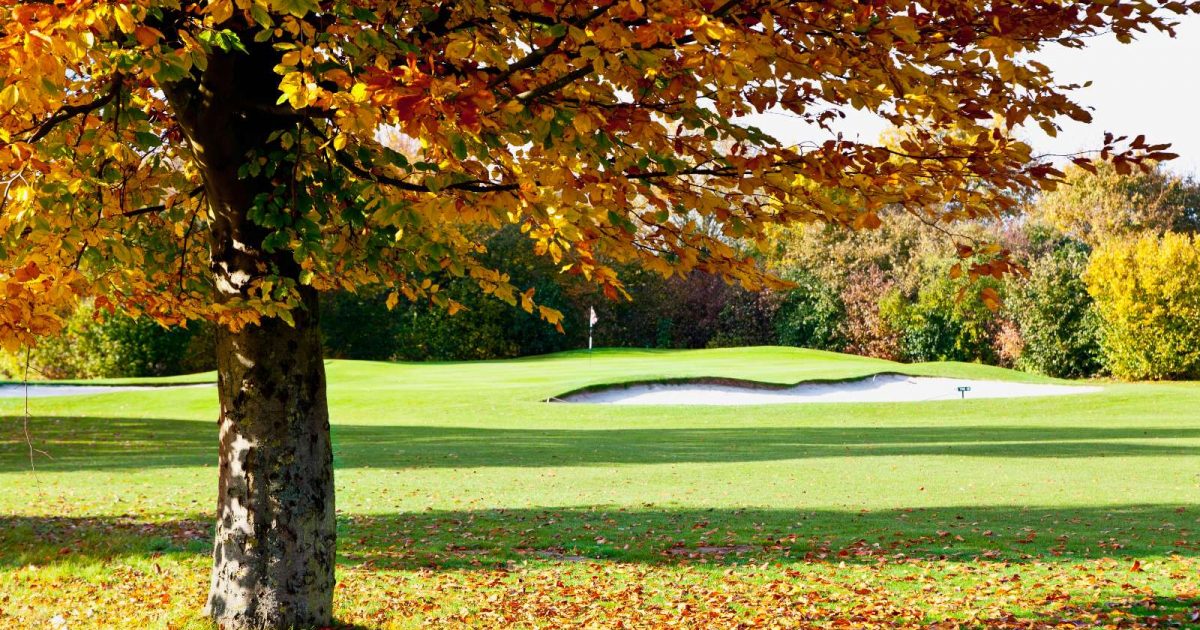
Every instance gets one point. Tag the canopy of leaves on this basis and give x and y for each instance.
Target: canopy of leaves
(1103, 202)
(402, 134)
(1149, 302)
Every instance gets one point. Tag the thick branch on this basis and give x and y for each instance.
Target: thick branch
(535, 58)
(158, 207)
(472, 186)
(579, 73)
(67, 112)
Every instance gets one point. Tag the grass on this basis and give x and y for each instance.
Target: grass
(465, 500)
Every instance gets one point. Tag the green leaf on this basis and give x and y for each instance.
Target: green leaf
(458, 145)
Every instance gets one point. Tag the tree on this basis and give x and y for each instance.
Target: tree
(1057, 319)
(940, 320)
(1149, 304)
(1102, 203)
(229, 160)
(113, 347)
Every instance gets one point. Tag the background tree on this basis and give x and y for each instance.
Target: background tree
(1102, 202)
(226, 160)
(1055, 315)
(93, 345)
(1149, 302)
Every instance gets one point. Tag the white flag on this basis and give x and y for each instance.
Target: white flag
(592, 318)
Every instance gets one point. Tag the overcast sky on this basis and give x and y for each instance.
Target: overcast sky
(1150, 86)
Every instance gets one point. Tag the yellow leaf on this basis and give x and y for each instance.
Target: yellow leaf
(905, 28)
(146, 36)
(583, 123)
(124, 18)
(459, 49)
(868, 221)
(9, 97)
(220, 10)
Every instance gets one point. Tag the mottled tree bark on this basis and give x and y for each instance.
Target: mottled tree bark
(273, 558)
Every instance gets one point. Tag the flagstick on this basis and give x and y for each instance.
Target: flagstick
(591, 323)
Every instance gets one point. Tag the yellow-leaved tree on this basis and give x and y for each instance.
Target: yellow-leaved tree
(231, 159)
(1149, 303)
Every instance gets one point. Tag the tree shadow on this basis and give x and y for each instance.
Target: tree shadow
(87, 443)
(489, 539)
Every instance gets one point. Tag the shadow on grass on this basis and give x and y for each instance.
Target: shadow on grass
(85, 443)
(486, 539)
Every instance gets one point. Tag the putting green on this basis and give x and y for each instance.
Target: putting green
(463, 468)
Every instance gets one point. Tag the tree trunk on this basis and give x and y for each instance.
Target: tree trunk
(273, 560)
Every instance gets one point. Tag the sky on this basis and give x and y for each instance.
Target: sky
(1150, 86)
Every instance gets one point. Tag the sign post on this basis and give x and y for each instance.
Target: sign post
(963, 391)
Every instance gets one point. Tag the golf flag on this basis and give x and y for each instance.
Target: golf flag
(591, 322)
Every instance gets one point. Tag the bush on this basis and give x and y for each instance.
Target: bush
(360, 326)
(811, 315)
(1056, 317)
(945, 320)
(116, 346)
(676, 312)
(866, 331)
(747, 319)
(1148, 295)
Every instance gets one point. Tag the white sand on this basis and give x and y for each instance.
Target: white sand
(50, 391)
(882, 388)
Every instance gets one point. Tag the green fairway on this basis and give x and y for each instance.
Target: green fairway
(466, 499)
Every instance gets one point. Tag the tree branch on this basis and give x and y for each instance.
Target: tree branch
(578, 73)
(536, 57)
(66, 112)
(159, 207)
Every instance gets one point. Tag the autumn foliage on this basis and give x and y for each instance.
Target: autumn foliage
(1148, 296)
(229, 160)
(601, 130)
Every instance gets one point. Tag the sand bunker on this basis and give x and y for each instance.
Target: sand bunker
(49, 391)
(880, 388)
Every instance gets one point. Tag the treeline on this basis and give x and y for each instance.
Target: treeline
(1113, 289)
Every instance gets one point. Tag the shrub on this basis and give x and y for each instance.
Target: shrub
(1148, 295)
(1058, 323)
(811, 315)
(116, 346)
(866, 331)
(945, 320)
(747, 319)
(360, 326)
(676, 312)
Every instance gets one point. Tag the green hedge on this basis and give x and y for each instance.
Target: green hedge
(115, 346)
